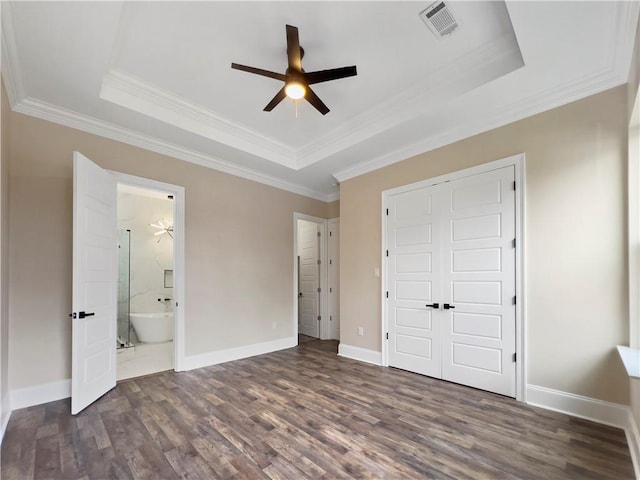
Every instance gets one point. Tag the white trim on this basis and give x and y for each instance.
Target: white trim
(360, 354)
(39, 394)
(179, 263)
(518, 162)
(324, 282)
(192, 362)
(6, 415)
(633, 440)
(147, 99)
(11, 70)
(633, 208)
(599, 411)
(52, 113)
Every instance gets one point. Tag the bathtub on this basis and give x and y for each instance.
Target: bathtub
(153, 327)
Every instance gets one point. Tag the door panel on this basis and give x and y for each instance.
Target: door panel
(412, 239)
(478, 275)
(309, 278)
(93, 370)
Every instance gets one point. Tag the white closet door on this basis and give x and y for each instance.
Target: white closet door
(478, 275)
(413, 239)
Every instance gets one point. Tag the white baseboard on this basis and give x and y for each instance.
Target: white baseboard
(6, 415)
(361, 354)
(48, 392)
(221, 356)
(599, 411)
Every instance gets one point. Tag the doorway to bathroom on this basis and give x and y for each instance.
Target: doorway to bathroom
(145, 318)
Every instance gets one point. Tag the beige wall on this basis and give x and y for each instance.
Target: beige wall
(576, 288)
(333, 209)
(4, 255)
(239, 248)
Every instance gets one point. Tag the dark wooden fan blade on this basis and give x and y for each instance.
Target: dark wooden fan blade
(259, 71)
(331, 74)
(314, 100)
(275, 100)
(293, 48)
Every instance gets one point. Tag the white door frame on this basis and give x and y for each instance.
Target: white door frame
(518, 162)
(178, 257)
(323, 306)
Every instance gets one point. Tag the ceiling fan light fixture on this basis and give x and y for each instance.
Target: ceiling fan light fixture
(295, 90)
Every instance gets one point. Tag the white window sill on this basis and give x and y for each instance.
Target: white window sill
(631, 360)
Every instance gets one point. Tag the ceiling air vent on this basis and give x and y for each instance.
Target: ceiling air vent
(439, 19)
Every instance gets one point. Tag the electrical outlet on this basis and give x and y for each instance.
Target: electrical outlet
(360, 331)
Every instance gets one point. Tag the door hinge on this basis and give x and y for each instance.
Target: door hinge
(319, 262)
(513, 357)
(330, 262)
(387, 211)
(514, 185)
(514, 299)
(514, 243)
(331, 318)
(319, 318)
(330, 290)
(387, 293)
(330, 234)
(319, 289)
(387, 335)
(318, 233)
(176, 304)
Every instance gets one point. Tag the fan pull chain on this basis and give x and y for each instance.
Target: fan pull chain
(295, 102)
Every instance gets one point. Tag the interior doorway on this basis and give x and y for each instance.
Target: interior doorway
(316, 277)
(145, 321)
(309, 290)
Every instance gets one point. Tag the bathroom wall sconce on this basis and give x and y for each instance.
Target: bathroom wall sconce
(165, 228)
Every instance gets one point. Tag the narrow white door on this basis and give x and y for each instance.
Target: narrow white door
(478, 275)
(94, 292)
(413, 282)
(334, 279)
(309, 251)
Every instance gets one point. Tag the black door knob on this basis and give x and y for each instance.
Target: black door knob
(433, 305)
(84, 314)
(447, 306)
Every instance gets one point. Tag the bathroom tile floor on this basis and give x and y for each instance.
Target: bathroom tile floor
(143, 359)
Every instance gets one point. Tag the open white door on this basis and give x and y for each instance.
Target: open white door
(309, 278)
(95, 276)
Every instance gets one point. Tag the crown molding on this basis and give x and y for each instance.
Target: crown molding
(483, 64)
(68, 118)
(142, 97)
(615, 74)
(527, 107)
(488, 62)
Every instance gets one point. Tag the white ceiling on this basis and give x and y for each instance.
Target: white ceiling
(157, 75)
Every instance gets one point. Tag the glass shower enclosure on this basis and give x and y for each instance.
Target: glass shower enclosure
(124, 339)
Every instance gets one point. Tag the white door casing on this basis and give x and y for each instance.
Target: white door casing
(452, 243)
(95, 276)
(309, 296)
(333, 248)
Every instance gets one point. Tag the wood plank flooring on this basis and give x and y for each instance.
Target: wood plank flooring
(306, 413)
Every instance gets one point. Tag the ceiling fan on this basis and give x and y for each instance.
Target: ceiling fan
(296, 80)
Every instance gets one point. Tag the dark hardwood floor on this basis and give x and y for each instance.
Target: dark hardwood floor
(306, 413)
